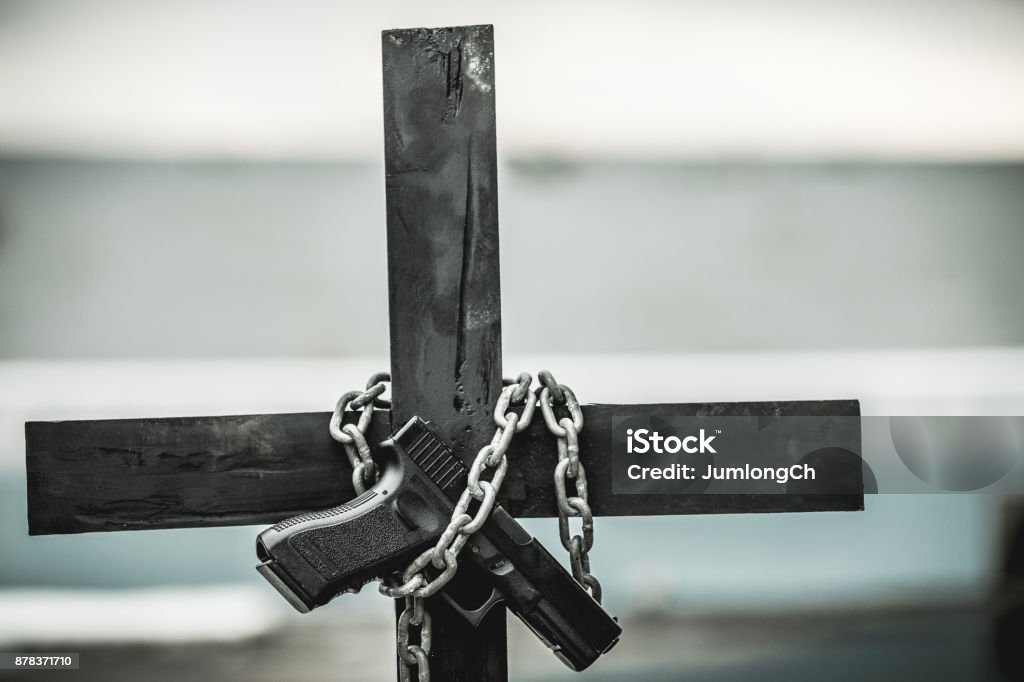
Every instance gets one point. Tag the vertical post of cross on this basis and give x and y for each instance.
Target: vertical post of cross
(445, 301)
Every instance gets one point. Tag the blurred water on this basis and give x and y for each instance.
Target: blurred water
(119, 259)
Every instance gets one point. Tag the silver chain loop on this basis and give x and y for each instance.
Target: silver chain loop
(412, 655)
(416, 586)
(353, 436)
(569, 468)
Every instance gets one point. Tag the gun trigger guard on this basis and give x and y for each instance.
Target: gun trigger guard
(475, 616)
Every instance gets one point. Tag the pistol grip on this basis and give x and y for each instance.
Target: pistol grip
(313, 557)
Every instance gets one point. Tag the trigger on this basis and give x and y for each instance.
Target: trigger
(474, 614)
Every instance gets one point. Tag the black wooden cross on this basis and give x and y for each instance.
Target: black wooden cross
(445, 312)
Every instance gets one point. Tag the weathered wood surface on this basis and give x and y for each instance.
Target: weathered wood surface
(443, 278)
(442, 220)
(135, 474)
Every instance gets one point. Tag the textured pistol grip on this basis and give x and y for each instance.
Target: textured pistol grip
(352, 546)
(313, 557)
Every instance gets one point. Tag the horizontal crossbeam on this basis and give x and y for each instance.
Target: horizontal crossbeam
(136, 474)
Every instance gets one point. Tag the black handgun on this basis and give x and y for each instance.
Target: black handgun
(312, 558)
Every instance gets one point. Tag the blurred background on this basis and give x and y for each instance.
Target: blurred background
(747, 201)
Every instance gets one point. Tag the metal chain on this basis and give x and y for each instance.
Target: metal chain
(353, 436)
(569, 468)
(416, 585)
(414, 655)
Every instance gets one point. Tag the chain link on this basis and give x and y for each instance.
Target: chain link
(569, 468)
(353, 436)
(413, 654)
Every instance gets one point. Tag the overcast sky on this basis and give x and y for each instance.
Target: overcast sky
(748, 79)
